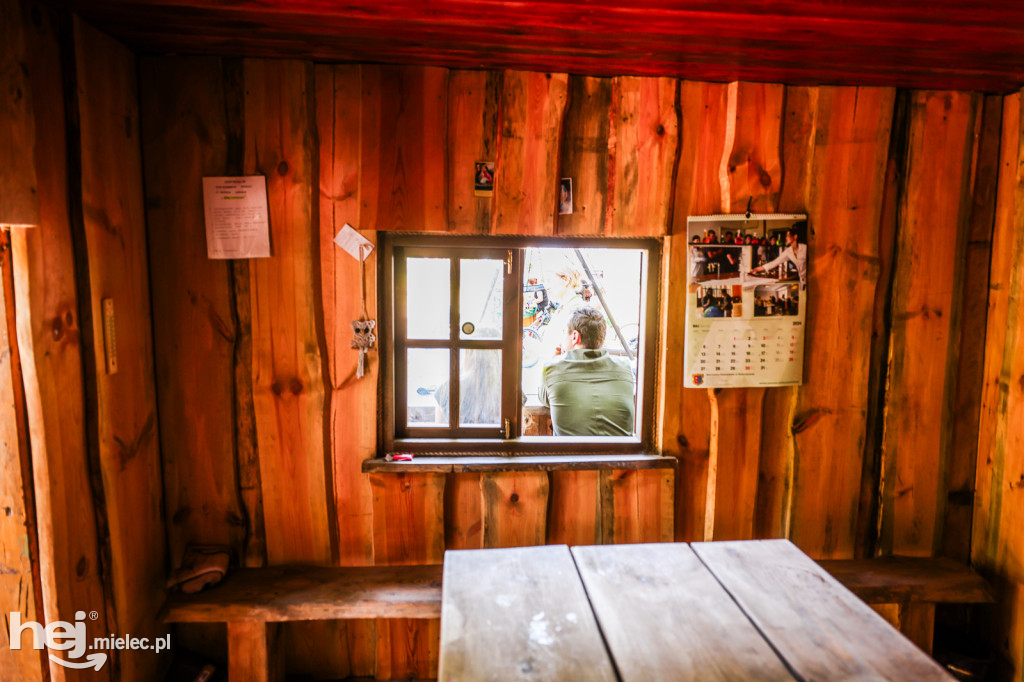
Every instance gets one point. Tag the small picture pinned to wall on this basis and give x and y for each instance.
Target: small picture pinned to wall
(565, 197)
(483, 184)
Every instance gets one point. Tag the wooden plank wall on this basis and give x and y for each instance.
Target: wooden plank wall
(997, 543)
(96, 480)
(390, 148)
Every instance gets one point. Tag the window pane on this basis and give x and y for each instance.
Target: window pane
(480, 387)
(427, 393)
(481, 297)
(428, 298)
(556, 282)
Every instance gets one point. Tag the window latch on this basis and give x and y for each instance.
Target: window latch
(508, 263)
(508, 428)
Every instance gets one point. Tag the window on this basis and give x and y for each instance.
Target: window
(469, 323)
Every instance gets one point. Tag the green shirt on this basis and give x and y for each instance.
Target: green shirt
(589, 393)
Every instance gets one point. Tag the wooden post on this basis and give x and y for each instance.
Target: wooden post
(253, 652)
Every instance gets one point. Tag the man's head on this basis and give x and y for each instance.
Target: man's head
(585, 328)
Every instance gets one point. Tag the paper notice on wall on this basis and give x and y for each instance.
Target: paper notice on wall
(237, 224)
(746, 300)
(358, 246)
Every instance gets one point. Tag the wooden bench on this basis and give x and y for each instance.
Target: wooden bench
(253, 602)
(905, 590)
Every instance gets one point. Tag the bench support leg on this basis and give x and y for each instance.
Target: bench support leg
(917, 622)
(253, 652)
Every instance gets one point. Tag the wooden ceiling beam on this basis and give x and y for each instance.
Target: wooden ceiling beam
(938, 44)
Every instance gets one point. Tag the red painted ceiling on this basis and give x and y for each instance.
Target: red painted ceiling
(945, 44)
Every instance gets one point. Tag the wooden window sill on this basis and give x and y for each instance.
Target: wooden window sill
(477, 464)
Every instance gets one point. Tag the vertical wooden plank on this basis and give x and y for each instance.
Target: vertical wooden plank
(749, 173)
(585, 156)
(703, 115)
(288, 391)
(956, 537)
(352, 430)
(122, 411)
(634, 506)
(777, 459)
(1005, 246)
(403, 180)
(737, 439)
(526, 173)
(472, 137)
(288, 365)
(928, 277)
(844, 208)
(998, 540)
(686, 414)
(575, 515)
(19, 201)
(408, 528)
(463, 512)
(751, 169)
(515, 508)
(20, 579)
(194, 335)
(50, 346)
(871, 466)
(645, 136)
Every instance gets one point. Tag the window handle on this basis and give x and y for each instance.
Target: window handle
(508, 261)
(508, 428)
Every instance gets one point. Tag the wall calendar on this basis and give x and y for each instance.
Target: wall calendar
(746, 300)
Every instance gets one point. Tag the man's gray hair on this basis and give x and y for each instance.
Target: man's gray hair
(591, 325)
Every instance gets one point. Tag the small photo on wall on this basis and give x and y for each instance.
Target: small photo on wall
(483, 185)
(565, 197)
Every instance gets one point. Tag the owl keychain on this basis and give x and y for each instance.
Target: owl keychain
(363, 330)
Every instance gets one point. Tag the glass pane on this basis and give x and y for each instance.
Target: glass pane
(428, 298)
(556, 282)
(481, 295)
(427, 393)
(479, 387)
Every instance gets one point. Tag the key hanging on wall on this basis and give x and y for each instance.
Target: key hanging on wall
(364, 329)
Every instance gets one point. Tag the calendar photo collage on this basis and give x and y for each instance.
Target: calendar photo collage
(746, 300)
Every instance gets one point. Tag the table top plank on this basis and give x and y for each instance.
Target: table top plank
(286, 593)
(665, 617)
(821, 629)
(518, 613)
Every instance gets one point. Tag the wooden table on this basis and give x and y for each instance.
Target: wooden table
(757, 610)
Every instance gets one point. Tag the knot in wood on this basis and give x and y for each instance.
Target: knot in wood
(58, 329)
(661, 129)
(295, 386)
(282, 168)
(82, 567)
(514, 497)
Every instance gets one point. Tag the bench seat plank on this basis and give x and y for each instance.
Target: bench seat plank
(893, 579)
(287, 593)
(665, 617)
(821, 629)
(518, 613)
